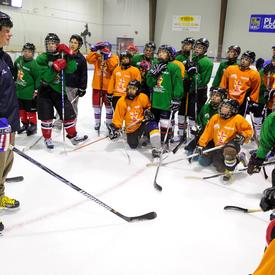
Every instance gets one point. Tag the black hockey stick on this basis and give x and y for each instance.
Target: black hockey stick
(15, 179)
(240, 209)
(156, 185)
(221, 174)
(147, 216)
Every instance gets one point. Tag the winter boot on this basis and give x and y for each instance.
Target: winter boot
(6, 202)
(49, 143)
(1, 226)
(77, 139)
(32, 129)
(23, 128)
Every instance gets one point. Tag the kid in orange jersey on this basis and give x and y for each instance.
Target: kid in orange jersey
(226, 128)
(120, 78)
(104, 62)
(134, 109)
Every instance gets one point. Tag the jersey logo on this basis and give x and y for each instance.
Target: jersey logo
(221, 137)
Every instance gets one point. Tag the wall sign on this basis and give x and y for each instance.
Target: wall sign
(262, 23)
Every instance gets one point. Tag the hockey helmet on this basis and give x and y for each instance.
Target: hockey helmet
(133, 84)
(29, 46)
(235, 48)
(233, 110)
(188, 40)
(249, 54)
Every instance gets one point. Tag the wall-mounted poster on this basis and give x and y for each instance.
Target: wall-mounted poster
(262, 23)
(123, 43)
(190, 23)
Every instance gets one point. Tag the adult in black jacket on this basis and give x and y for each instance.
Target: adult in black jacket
(8, 109)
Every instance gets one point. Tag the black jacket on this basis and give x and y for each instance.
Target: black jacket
(8, 101)
(78, 79)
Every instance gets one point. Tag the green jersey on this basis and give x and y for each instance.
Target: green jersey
(138, 58)
(49, 75)
(182, 57)
(205, 67)
(267, 136)
(219, 73)
(27, 78)
(205, 114)
(167, 86)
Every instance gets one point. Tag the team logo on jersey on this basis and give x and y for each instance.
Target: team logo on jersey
(121, 85)
(237, 85)
(221, 137)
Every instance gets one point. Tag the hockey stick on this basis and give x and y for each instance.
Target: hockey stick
(86, 144)
(221, 174)
(63, 102)
(31, 146)
(100, 92)
(147, 216)
(206, 151)
(15, 179)
(240, 209)
(156, 185)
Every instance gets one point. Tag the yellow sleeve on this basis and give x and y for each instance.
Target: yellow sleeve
(120, 112)
(111, 85)
(244, 128)
(92, 57)
(207, 134)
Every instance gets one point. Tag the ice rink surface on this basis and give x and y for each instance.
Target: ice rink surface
(58, 231)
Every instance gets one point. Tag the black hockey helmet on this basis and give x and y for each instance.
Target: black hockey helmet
(78, 38)
(202, 41)
(29, 46)
(249, 54)
(188, 40)
(169, 49)
(124, 54)
(235, 48)
(234, 108)
(136, 84)
(5, 20)
(150, 45)
(52, 37)
(220, 91)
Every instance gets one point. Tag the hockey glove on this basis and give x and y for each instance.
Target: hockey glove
(191, 68)
(253, 107)
(148, 115)
(199, 150)
(109, 98)
(80, 92)
(195, 130)
(254, 164)
(114, 132)
(239, 139)
(62, 48)
(268, 199)
(59, 64)
(158, 68)
(175, 105)
(145, 66)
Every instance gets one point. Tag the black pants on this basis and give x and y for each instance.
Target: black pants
(48, 99)
(29, 105)
(133, 138)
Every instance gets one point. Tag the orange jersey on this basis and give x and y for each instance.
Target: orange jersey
(221, 131)
(182, 67)
(267, 265)
(132, 111)
(239, 82)
(120, 79)
(108, 67)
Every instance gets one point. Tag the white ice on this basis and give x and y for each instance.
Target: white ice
(59, 231)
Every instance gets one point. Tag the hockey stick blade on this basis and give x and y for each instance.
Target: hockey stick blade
(15, 179)
(157, 186)
(241, 209)
(147, 216)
